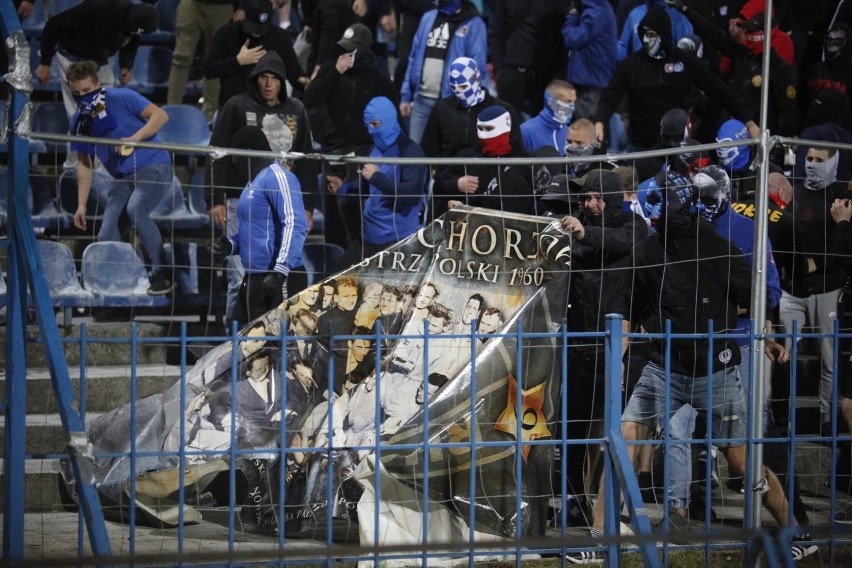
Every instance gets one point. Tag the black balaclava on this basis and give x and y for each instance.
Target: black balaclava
(243, 169)
(658, 21)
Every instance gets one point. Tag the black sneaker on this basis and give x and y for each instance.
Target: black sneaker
(677, 524)
(584, 557)
(803, 547)
(161, 284)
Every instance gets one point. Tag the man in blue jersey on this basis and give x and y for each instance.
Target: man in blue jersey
(141, 176)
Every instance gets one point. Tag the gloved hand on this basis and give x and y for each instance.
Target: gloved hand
(678, 5)
(573, 6)
(274, 288)
(222, 249)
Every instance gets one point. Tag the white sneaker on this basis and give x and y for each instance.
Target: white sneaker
(584, 557)
(803, 547)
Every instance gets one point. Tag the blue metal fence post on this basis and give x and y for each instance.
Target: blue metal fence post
(612, 428)
(618, 469)
(26, 269)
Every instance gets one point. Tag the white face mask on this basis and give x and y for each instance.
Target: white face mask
(562, 111)
(819, 175)
(653, 46)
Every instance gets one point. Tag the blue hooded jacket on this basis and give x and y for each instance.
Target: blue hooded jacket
(392, 210)
(543, 130)
(469, 40)
(591, 37)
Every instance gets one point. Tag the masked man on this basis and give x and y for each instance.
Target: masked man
(505, 188)
(452, 122)
(454, 29)
(547, 129)
(657, 79)
(396, 191)
(141, 176)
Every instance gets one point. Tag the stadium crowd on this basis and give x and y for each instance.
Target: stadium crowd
(656, 239)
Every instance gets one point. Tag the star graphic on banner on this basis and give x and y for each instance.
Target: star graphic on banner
(533, 422)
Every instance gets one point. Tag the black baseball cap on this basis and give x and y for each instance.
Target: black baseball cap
(356, 36)
(258, 16)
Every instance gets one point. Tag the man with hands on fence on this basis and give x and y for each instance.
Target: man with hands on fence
(272, 231)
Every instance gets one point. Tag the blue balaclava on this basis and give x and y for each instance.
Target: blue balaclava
(466, 82)
(387, 130)
(670, 202)
(734, 159)
(448, 7)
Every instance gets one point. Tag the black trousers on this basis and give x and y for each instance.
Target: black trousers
(252, 302)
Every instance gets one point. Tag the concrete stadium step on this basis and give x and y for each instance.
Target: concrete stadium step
(107, 387)
(42, 486)
(99, 353)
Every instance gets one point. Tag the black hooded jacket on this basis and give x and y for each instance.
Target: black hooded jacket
(654, 86)
(346, 96)
(689, 275)
(832, 74)
(95, 30)
(221, 62)
(327, 20)
(249, 109)
(504, 188)
(609, 238)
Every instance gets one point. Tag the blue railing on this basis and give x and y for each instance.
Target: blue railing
(618, 471)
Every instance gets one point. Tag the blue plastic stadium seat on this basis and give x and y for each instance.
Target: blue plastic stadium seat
(4, 196)
(184, 257)
(115, 275)
(321, 260)
(101, 183)
(40, 182)
(187, 125)
(51, 118)
(2, 296)
(151, 69)
(44, 211)
(62, 281)
(166, 18)
(34, 25)
(54, 85)
(57, 6)
(172, 212)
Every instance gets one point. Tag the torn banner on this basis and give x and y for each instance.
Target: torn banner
(312, 411)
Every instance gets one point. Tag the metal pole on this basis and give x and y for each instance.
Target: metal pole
(758, 281)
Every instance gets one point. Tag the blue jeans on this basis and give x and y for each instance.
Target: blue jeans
(129, 204)
(421, 107)
(688, 399)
